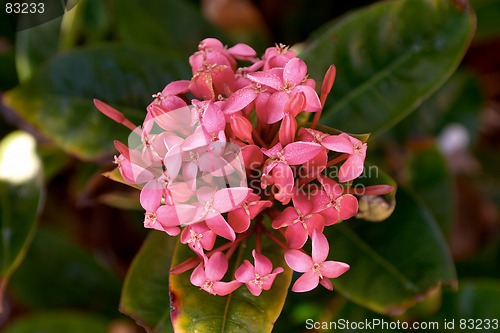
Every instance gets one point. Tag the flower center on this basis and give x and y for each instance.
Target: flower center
(317, 269)
(208, 287)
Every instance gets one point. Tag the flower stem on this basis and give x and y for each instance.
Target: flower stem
(337, 160)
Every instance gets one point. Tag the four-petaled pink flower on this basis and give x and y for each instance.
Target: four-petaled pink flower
(208, 275)
(344, 143)
(260, 277)
(316, 270)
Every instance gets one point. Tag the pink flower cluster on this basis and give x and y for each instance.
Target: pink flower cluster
(224, 154)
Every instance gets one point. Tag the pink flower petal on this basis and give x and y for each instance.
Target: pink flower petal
(326, 283)
(283, 179)
(216, 267)
(339, 143)
(300, 152)
(239, 100)
(287, 129)
(276, 107)
(270, 78)
(198, 276)
(151, 195)
(294, 72)
(298, 261)
(245, 273)
(239, 220)
(313, 103)
(225, 288)
(307, 282)
(296, 235)
(228, 199)
(242, 51)
(348, 206)
(263, 266)
(352, 168)
(334, 269)
(176, 87)
(320, 247)
(286, 218)
(218, 225)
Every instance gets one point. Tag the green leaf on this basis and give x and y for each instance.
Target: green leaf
(432, 182)
(473, 308)
(388, 59)
(20, 199)
(459, 100)
(169, 24)
(476, 299)
(56, 273)
(390, 266)
(195, 310)
(36, 45)
(145, 294)
(58, 99)
(58, 322)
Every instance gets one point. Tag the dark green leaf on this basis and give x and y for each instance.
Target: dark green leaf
(20, 198)
(477, 299)
(58, 322)
(145, 294)
(388, 59)
(459, 100)
(56, 273)
(432, 182)
(194, 310)
(169, 24)
(393, 262)
(36, 45)
(58, 99)
(473, 308)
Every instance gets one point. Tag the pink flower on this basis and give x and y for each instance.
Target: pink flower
(212, 204)
(336, 205)
(208, 277)
(287, 82)
(260, 277)
(278, 166)
(239, 219)
(316, 270)
(301, 220)
(344, 143)
(199, 237)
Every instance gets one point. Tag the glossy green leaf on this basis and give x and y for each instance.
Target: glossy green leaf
(145, 294)
(459, 100)
(169, 24)
(388, 59)
(432, 182)
(57, 273)
(58, 322)
(393, 262)
(20, 199)
(195, 310)
(58, 99)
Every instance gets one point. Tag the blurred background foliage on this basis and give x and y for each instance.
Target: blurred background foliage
(69, 235)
